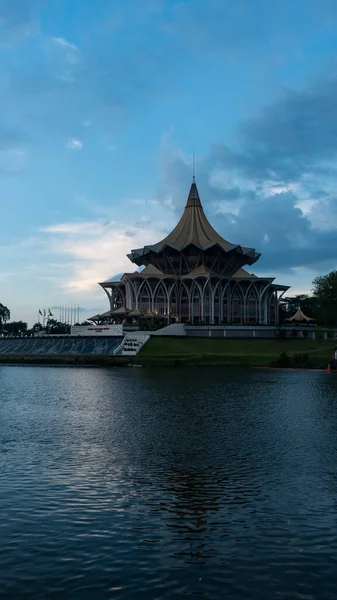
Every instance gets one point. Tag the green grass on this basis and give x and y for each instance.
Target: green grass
(197, 351)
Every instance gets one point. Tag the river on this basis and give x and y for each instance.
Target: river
(152, 484)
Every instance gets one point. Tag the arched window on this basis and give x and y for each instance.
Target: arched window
(196, 304)
(226, 306)
(184, 311)
(237, 305)
(217, 303)
(144, 298)
(160, 300)
(116, 299)
(208, 317)
(173, 302)
(252, 306)
(132, 295)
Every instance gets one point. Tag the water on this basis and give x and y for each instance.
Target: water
(141, 484)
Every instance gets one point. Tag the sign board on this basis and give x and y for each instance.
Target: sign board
(102, 330)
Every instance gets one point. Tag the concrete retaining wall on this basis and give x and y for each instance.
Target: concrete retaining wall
(60, 346)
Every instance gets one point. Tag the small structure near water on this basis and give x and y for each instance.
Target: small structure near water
(300, 317)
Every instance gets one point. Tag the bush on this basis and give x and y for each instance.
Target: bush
(297, 361)
(305, 333)
(294, 332)
(282, 361)
(301, 361)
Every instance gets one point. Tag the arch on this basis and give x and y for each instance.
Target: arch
(173, 301)
(225, 305)
(251, 305)
(237, 303)
(217, 297)
(130, 294)
(184, 303)
(160, 299)
(116, 298)
(196, 303)
(208, 304)
(145, 299)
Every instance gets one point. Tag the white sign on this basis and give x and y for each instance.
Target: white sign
(116, 330)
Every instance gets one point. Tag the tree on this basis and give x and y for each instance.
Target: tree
(325, 292)
(5, 315)
(17, 328)
(55, 327)
(35, 329)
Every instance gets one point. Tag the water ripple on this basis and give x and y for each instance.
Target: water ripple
(167, 484)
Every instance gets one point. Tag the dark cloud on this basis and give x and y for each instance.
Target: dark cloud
(290, 144)
(295, 135)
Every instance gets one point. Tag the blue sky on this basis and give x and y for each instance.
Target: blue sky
(101, 106)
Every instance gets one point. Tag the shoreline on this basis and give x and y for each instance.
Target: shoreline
(186, 352)
(136, 361)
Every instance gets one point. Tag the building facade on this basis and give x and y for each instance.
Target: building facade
(193, 276)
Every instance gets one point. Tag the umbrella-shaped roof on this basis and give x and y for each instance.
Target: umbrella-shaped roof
(192, 229)
(135, 313)
(299, 316)
(120, 311)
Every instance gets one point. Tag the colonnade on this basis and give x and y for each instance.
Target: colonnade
(200, 300)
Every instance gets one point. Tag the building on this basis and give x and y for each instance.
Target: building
(193, 276)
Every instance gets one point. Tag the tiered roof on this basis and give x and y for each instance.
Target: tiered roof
(192, 229)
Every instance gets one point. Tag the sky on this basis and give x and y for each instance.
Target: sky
(102, 104)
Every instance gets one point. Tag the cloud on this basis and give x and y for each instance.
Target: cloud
(74, 144)
(276, 191)
(70, 51)
(95, 249)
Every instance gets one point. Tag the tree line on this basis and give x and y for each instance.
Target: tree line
(20, 328)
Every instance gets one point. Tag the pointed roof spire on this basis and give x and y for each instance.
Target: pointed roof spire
(193, 197)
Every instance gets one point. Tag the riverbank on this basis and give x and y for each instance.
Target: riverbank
(191, 352)
(232, 353)
(88, 360)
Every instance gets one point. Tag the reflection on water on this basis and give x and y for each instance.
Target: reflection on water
(146, 484)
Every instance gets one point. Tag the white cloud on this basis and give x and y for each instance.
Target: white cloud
(71, 52)
(270, 188)
(96, 250)
(74, 144)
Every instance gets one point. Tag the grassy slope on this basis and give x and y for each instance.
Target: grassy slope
(191, 351)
